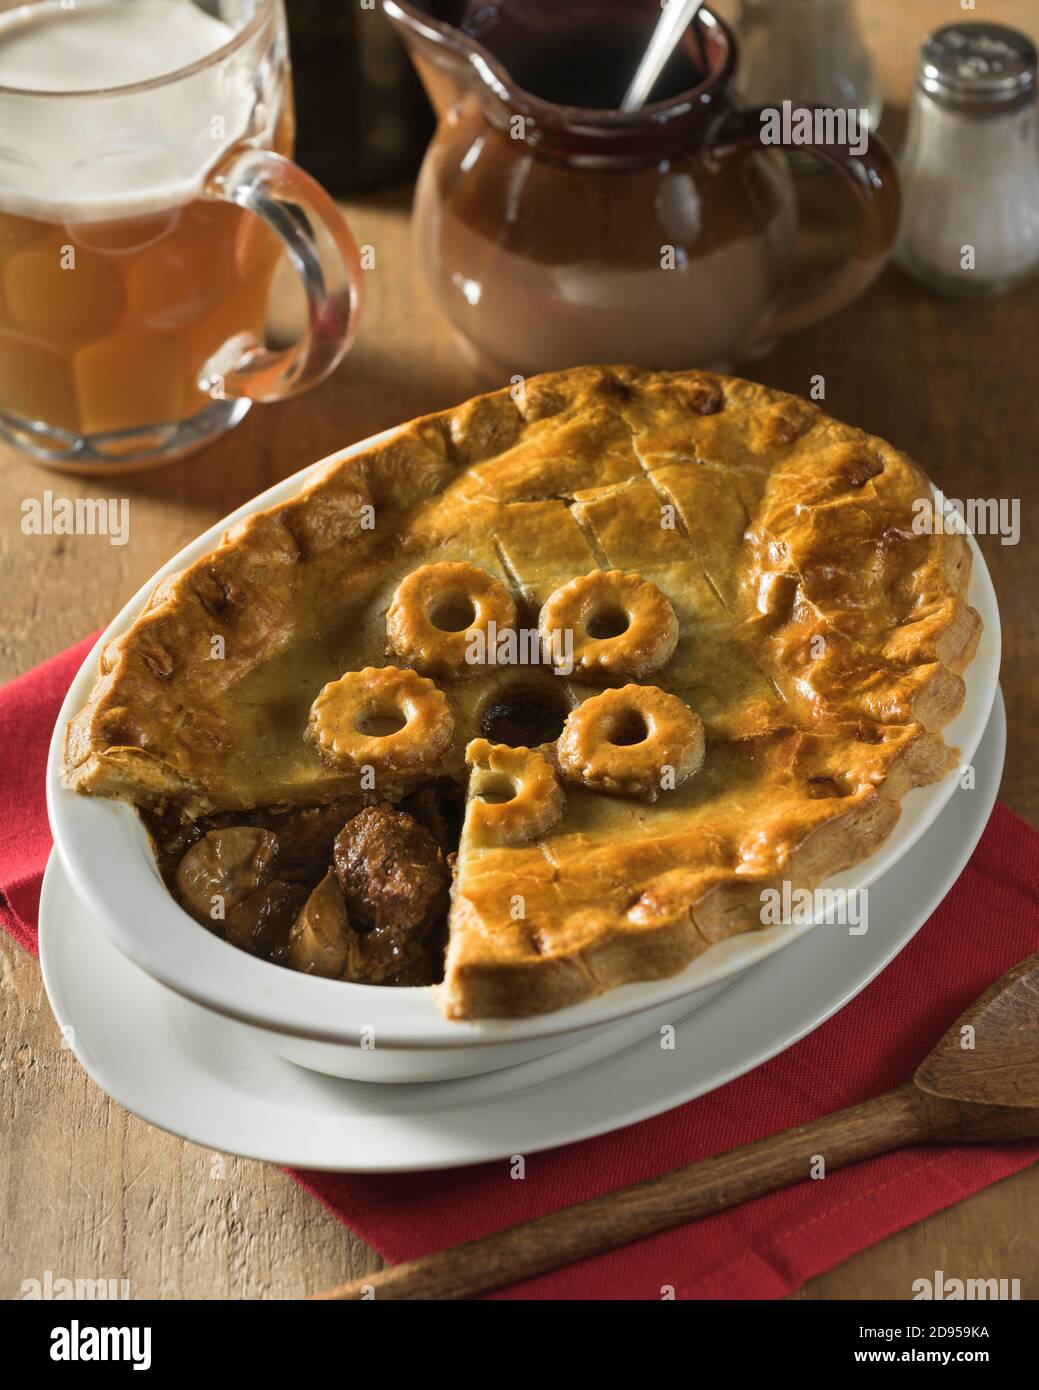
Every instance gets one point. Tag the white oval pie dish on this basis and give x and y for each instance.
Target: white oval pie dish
(399, 1035)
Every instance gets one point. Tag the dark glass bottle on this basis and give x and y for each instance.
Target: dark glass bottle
(363, 119)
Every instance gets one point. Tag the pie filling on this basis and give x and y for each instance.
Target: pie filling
(349, 891)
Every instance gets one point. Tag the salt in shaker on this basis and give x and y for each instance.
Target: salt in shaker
(970, 168)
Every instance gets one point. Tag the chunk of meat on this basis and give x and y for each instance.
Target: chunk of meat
(306, 835)
(439, 808)
(262, 922)
(391, 871)
(322, 941)
(222, 869)
(396, 956)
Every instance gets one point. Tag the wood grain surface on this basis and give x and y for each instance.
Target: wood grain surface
(86, 1189)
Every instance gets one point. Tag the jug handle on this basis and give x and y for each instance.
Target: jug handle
(872, 179)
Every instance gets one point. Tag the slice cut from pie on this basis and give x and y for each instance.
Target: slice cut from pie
(683, 639)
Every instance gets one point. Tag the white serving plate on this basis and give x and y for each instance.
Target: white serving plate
(210, 1080)
(322, 1023)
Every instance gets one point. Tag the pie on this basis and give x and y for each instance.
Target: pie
(538, 696)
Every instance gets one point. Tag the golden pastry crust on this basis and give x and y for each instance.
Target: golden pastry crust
(344, 718)
(438, 610)
(622, 627)
(637, 741)
(822, 641)
(533, 799)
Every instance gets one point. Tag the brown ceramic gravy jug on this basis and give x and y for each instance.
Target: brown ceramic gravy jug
(557, 230)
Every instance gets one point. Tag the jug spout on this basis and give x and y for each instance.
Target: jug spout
(439, 49)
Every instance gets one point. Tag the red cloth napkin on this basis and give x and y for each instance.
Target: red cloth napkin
(761, 1250)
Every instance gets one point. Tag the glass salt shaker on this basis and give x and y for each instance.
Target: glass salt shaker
(970, 168)
(811, 49)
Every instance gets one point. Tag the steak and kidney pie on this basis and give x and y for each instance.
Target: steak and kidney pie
(540, 695)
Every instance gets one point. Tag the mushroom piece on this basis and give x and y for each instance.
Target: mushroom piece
(322, 941)
(222, 869)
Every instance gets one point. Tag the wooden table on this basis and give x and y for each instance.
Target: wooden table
(90, 1190)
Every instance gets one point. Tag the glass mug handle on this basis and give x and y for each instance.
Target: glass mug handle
(322, 250)
(871, 177)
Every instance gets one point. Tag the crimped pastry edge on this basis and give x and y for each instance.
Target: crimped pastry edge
(96, 766)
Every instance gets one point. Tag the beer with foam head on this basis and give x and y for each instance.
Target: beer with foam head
(127, 265)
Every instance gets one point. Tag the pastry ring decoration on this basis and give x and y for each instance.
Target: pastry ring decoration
(623, 627)
(631, 742)
(513, 792)
(381, 717)
(438, 609)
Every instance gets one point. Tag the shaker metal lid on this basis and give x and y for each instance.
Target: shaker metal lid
(972, 66)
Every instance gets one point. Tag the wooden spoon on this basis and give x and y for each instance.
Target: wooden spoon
(979, 1085)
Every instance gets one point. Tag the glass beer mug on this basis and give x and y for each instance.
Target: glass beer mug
(146, 194)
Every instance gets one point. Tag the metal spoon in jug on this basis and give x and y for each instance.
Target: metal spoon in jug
(671, 25)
